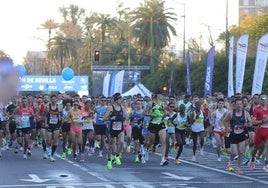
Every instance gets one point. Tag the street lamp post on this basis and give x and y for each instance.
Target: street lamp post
(152, 44)
(227, 33)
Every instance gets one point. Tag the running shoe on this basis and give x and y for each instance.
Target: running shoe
(230, 168)
(177, 161)
(75, 157)
(224, 152)
(245, 161)
(45, 155)
(143, 159)
(109, 164)
(82, 157)
(137, 160)
(251, 164)
(219, 159)
(100, 154)
(164, 163)
(24, 156)
(63, 155)
(265, 168)
(16, 150)
(69, 151)
(193, 158)
(29, 152)
(117, 160)
(128, 149)
(202, 151)
(52, 159)
(236, 157)
(248, 153)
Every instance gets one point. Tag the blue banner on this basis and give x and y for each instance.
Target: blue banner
(188, 75)
(53, 83)
(209, 71)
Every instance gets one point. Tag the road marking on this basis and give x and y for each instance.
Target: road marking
(35, 178)
(218, 170)
(173, 176)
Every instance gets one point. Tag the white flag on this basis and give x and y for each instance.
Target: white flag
(260, 65)
(241, 55)
(118, 82)
(230, 69)
(106, 83)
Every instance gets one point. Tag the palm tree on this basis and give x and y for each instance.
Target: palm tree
(151, 26)
(63, 49)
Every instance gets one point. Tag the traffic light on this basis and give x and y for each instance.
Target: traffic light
(97, 55)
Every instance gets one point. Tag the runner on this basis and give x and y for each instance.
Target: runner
(218, 127)
(24, 112)
(196, 119)
(239, 119)
(260, 118)
(115, 114)
(181, 124)
(100, 125)
(53, 112)
(157, 128)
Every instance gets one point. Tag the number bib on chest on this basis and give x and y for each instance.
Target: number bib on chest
(53, 119)
(25, 121)
(117, 125)
(238, 129)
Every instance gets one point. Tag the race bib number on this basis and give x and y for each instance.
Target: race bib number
(117, 125)
(53, 119)
(181, 126)
(199, 120)
(25, 121)
(238, 129)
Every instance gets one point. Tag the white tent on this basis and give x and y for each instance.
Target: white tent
(138, 89)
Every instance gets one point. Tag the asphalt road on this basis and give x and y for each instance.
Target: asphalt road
(207, 172)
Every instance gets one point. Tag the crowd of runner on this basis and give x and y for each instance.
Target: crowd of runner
(76, 126)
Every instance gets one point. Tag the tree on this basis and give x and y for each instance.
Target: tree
(151, 24)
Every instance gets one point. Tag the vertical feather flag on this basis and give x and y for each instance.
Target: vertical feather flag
(209, 71)
(230, 69)
(260, 65)
(241, 55)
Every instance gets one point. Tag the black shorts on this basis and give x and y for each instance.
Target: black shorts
(100, 129)
(22, 131)
(52, 128)
(65, 127)
(155, 128)
(137, 134)
(237, 138)
(86, 131)
(12, 127)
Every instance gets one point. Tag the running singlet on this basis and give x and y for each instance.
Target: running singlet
(53, 116)
(100, 111)
(136, 119)
(24, 117)
(181, 122)
(88, 117)
(237, 123)
(117, 123)
(157, 114)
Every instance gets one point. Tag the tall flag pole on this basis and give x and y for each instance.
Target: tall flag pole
(260, 65)
(209, 71)
(230, 68)
(241, 56)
